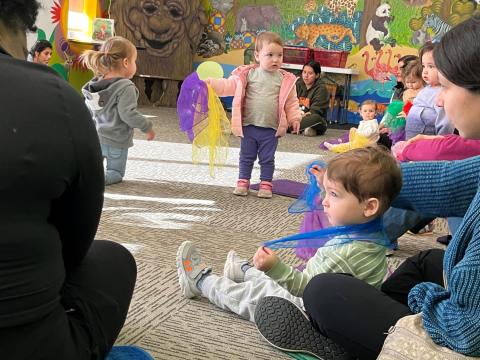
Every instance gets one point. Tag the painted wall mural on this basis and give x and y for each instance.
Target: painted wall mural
(52, 26)
(376, 34)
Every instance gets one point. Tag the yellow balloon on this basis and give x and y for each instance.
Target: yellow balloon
(209, 69)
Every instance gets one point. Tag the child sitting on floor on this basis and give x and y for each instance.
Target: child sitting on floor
(359, 186)
(394, 125)
(425, 117)
(366, 134)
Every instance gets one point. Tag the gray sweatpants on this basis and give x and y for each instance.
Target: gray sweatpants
(242, 298)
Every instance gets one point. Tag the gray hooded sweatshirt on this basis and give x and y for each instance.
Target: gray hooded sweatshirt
(113, 105)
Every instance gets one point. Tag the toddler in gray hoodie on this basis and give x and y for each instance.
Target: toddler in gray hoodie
(112, 100)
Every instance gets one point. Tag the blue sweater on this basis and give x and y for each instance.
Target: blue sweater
(451, 314)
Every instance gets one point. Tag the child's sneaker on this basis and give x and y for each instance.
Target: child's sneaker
(328, 145)
(242, 187)
(190, 269)
(265, 190)
(233, 267)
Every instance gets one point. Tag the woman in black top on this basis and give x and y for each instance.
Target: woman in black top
(62, 294)
(313, 99)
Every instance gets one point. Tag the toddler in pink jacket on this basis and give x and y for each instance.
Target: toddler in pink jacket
(264, 105)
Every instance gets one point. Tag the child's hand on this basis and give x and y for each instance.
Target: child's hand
(207, 81)
(402, 114)
(150, 135)
(296, 127)
(307, 113)
(264, 259)
(384, 130)
(319, 173)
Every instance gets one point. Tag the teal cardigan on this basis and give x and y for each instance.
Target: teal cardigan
(451, 314)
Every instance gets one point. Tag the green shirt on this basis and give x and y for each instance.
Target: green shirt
(365, 260)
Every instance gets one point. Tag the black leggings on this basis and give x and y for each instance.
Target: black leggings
(356, 315)
(92, 309)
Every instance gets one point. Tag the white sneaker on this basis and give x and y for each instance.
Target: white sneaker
(190, 269)
(233, 267)
(310, 132)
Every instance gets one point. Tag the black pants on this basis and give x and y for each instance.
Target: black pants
(356, 315)
(315, 121)
(92, 309)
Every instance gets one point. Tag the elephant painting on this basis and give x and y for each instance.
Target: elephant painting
(260, 17)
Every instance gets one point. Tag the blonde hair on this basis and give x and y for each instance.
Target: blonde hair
(368, 102)
(267, 37)
(369, 172)
(110, 56)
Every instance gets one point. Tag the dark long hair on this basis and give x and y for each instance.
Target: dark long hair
(457, 56)
(19, 14)
(315, 65)
(39, 46)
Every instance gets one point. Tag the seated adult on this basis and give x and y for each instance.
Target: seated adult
(440, 286)
(41, 52)
(313, 99)
(62, 294)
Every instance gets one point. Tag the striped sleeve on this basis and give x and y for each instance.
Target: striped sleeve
(365, 261)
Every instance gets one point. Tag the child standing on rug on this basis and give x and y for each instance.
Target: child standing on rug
(425, 117)
(264, 105)
(112, 100)
(366, 134)
(359, 185)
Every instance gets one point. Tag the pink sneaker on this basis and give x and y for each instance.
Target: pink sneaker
(265, 190)
(242, 187)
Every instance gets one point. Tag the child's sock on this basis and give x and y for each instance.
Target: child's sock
(245, 267)
(201, 280)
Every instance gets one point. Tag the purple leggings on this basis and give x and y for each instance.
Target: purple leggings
(257, 141)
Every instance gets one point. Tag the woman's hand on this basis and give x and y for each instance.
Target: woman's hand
(423, 137)
(264, 259)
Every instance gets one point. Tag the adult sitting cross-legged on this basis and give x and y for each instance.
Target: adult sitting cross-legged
(62, 294)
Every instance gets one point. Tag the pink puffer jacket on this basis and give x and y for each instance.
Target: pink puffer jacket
(235, 85)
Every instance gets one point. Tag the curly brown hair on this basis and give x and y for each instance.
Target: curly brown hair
(19, 14)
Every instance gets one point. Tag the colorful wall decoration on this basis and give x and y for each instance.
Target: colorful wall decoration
(52, 26)
(376, 33)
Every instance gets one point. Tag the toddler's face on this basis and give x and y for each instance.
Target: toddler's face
(270, 57)
(414, 83)
(430, 72)
(368, 112)
(341, 206)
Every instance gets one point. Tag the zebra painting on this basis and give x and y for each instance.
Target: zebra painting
(439, 26)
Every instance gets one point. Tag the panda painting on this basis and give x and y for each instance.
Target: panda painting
(378, 32)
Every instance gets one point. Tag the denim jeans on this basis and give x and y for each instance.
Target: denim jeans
(116, 163)
(397, 221)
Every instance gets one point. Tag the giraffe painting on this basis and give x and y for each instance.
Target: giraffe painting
(337, 5)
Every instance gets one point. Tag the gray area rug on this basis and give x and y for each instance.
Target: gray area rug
(166, 200)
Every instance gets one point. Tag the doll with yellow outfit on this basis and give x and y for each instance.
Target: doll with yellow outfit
(366, 134)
